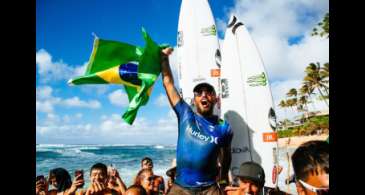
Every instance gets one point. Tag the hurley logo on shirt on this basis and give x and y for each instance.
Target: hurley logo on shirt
(203, 137)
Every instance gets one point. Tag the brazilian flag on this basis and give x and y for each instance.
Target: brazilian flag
(137, 68)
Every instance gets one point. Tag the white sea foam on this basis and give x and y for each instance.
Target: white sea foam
(159, 147)
(89, 148)
(50, 145)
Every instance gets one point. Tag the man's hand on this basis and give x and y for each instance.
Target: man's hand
(77, 183)
(95, 188)
(39, 187)
(167, 51)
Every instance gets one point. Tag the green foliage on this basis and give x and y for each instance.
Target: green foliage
(308, 128)
(285, 133)
(324, 27)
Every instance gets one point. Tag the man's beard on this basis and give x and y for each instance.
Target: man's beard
(205, 112)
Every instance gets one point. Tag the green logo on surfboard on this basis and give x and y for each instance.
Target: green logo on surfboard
(211, 30)
(257, 80)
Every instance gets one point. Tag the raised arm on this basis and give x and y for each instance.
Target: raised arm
(167, 78)
(225, 158)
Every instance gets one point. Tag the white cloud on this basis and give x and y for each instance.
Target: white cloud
(44, 106)
(44, 92)
(162, 100)
(284, 61)
(94, 89)
(54, 126)
(168, 124)
(79, 115)
(50, 70)
(118, 98)
(45, 101)
(280, 18)
(72, 118)
(114, 125)
(111, 129)
(76, 102)
(78, 71)
(273, 23)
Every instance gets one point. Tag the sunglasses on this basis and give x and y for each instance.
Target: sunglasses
(320, 191)
(199, 93)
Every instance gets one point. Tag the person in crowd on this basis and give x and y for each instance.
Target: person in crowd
(158, 181)
(135, 190)
(99, 181)
(171, 173)
(145, 179)
(311, 168)
(115, 182)
(251, 180)
(60, 179)
(41, 185)
(203, 138)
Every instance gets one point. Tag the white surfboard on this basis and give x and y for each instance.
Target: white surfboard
(246, 102)
(198, 55)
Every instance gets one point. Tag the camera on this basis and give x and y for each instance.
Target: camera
(39, 178)
(80, 172)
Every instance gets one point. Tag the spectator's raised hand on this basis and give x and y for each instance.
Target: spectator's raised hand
(95, 188)
(41, 186)
(78, 182)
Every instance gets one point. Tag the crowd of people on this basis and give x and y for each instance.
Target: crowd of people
(310, 163)
(103, 180)
(202, 164)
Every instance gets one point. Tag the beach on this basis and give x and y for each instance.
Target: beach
(295, 141)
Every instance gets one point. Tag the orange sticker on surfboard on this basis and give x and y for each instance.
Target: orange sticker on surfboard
(270, 137)
(215, 72)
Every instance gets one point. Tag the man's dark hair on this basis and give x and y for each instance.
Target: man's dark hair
(101, 167)
(148, 159)
(138, 188)
(310, 158)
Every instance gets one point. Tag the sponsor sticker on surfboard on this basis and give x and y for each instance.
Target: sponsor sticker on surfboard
(270, 137)
(215, 72)
(211, 30)
(274, 174)
(257, 80)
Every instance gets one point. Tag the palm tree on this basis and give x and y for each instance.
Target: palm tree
(305, 90)
(291, 102)
(303, 100)
(303, 105)
(292, 92)
(314, 80)
(324, 74)
(283, 105)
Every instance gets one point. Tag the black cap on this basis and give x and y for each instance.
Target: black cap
(252, 171)
(171, 172)
(200, 85)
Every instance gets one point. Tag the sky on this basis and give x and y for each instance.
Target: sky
(91, 114)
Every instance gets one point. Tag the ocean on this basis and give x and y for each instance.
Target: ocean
(126, 158)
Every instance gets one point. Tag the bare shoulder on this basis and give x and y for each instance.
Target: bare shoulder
(52, 192)
(110, 192)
